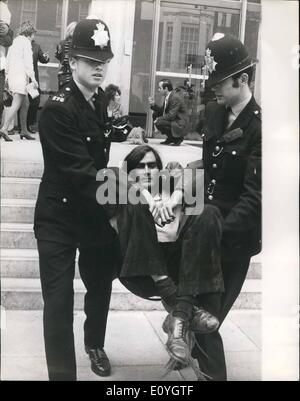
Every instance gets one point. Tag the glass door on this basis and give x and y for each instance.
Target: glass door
(184, 31)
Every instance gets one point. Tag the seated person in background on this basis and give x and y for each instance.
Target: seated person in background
(171, 119)
(114, 108)
(190, 249)
(120, 125)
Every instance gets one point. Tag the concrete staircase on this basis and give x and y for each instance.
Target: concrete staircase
(20, 285)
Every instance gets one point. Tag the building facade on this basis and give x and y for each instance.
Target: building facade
(151, 39)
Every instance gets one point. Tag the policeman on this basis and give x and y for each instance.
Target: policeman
(67, 216)
(232, 164)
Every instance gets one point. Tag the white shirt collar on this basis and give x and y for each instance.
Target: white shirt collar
(167, 97)
(87, 93)
(238, 108)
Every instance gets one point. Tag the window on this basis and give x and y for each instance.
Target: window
(168, 48)
(29, 11)
(189, 39)
(83, 10)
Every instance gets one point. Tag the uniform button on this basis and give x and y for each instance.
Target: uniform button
(88, 139)
(256, 112)
(210, 197)
(233, 152)
(65, 200)
(213, 181)
(68, 89)
(217, 148)
(214, 165)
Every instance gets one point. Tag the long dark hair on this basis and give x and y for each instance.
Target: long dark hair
(135, 156)
(111, 90)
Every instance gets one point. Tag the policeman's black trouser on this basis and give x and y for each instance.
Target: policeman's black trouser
(234, 269)
(57, 269)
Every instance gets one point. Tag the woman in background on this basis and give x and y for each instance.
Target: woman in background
(62, 54)
(19, 70)
(114, 109)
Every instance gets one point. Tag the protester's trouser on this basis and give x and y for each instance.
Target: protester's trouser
(193, 261)
(57, 269)
(212, 363)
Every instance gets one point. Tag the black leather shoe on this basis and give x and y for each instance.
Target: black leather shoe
(100, 364)
(177, 143)
(5, 137)
(27, 136)
(203, 322)
(166, 142)
(31, 130)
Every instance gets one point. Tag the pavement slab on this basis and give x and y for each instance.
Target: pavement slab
(134, 343)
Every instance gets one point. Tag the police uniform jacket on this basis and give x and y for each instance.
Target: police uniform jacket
(175, 113)
(232, 167)
(74, 148)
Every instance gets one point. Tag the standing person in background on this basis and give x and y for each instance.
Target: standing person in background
(62, 54)
(19, 70)
(171, 119)
(38, 56)
(232, 169)
(6, 39)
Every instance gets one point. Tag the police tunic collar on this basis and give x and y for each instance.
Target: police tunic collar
(238, 108)
(88, 94)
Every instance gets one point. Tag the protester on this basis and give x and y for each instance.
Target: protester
(191, 249)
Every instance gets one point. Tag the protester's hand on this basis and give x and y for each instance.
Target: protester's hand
(153, 205)
(151, 100)
(46, 55)
(166, 213)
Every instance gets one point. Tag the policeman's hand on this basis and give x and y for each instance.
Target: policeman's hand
(151, 100)
(46, 55)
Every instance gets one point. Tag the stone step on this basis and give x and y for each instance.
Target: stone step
(24, 263)
(22, 168)
(19, 188)
(17, 236)
(17, 210)
(25, 294)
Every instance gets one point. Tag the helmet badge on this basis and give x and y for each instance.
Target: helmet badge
(210, 63)
(100, 36)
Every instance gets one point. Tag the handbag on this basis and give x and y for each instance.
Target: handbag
(120, 129)
(7, 98)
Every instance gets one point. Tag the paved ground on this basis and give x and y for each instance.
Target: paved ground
(134, 343)
(31, 151)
